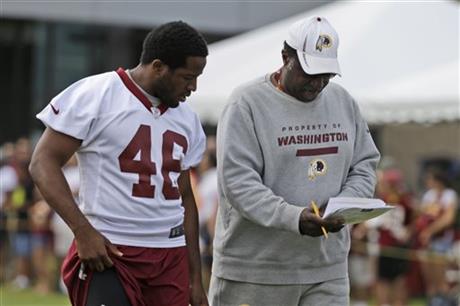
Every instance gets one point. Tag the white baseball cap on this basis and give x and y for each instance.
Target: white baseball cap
(316, 43)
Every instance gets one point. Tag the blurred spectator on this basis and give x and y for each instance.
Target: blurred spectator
(393, 237)
(207, 198)
(40, 232)
(361, 264)
(434, 228)
(207, 189)
(8, 183)
(15, 206)
(8, 176)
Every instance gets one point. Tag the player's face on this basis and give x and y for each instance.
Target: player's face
(302, 86)
(430, 181)
(177, 84)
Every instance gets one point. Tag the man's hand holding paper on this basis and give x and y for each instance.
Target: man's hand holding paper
(310, 224)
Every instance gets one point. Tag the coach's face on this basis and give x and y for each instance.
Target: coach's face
(297, 83)
(175, 85)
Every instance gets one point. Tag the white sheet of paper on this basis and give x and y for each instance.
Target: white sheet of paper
(355, 210)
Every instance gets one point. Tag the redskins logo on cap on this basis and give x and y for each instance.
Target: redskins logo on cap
(316, 167)
(324, 41)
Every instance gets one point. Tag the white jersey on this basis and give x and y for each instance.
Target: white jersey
(130, 157)
(8, 182)
(432, 201)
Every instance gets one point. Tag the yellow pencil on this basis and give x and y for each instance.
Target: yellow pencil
(316, 210)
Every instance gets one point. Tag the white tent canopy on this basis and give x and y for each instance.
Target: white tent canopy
(399, 60)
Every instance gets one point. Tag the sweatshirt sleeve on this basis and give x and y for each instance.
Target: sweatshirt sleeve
(361, 178)
(240, 167)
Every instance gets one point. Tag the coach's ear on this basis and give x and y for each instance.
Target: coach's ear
(285, 57)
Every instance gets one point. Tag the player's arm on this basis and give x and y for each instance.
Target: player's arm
(53, 150)
(442, 222)
(198, 296)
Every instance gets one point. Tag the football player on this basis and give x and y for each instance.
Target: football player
(135, 227)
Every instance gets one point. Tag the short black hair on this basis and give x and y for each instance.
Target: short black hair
(289, 50)
(172, 43)
(440, 176)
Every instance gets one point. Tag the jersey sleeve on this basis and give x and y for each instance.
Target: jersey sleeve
(197, 146)
(73, 110)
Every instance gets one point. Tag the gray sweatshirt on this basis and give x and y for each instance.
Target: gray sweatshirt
(275, 155)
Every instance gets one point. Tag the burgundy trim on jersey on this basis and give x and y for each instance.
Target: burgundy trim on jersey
(318, 151)
(135, 91)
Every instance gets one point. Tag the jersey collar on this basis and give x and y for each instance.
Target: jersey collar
(137, 93)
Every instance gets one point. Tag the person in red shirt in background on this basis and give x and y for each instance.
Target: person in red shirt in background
(394, 233)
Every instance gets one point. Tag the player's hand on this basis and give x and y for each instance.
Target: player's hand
(310, 224)
(197, 294)
(93, 248)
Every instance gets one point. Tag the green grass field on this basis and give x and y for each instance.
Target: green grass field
(11, 297)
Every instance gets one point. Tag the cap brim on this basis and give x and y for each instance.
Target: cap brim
(317, 65)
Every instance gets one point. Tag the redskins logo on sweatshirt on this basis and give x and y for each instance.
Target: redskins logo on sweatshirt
(316, 167)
